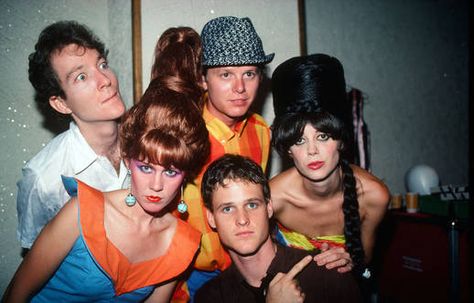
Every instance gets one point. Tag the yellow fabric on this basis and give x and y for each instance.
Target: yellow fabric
(250, 138)
(301, 241)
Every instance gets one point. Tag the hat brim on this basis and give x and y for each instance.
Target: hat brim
(232, 62)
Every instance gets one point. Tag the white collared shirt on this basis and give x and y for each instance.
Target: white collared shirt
(41, 193)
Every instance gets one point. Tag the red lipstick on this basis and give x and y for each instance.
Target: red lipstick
(153, 199)
(315, 165)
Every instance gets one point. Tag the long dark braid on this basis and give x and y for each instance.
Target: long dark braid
(350, 208)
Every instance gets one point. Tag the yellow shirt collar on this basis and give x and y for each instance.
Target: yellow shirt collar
(219, 129)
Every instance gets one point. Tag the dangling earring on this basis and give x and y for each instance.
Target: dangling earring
(130, 199)
(182, 206)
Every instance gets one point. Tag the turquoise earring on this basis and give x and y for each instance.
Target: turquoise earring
(182, 206)
(130, 199)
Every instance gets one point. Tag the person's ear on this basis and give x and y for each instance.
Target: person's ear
(270, 208)
(204, 82)
(201, 83)
(210, 219)
(59, 105)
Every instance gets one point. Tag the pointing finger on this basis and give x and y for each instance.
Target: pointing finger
(298, 267)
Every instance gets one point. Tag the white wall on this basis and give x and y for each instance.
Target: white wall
(411, 59)
(22, 134)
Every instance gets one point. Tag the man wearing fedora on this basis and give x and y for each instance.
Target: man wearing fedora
(233, 62)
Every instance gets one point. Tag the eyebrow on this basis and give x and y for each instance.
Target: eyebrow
(227, 204)
(79, 67)
(75, 69)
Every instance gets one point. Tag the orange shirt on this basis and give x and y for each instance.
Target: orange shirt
(250, 138)
(127, 276)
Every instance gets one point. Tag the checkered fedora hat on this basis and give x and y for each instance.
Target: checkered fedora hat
(230, 41)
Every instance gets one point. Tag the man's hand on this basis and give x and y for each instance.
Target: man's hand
(284, 288)
(334, 257)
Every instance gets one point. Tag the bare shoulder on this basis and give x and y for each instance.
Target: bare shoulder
(111, 198)
(279, 187)
(68, 213)
(65, 223)
(280, 182)
(371, 190)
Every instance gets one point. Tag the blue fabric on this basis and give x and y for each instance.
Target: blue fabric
(70, 185)
(80, 279)
(197, 279)
(279, 237)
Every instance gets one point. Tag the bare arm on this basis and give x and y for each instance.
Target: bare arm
(373, 203)
(374, 214)
(42, 261)
(162, 294)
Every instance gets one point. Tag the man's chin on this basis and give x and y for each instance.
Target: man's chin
(239, 116)
(246, 249)
(245, 252)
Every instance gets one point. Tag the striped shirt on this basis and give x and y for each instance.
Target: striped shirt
(250, 138)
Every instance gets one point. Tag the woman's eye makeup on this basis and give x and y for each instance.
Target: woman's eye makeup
(148, 168)
(323, 137)
(172, 172)
(300, 141)
(145, 168)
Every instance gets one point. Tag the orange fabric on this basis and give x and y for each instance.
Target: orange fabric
(128, 276)
(181, 293)
(251, 138)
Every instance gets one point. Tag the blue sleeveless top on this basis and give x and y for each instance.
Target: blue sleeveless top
(96, 271)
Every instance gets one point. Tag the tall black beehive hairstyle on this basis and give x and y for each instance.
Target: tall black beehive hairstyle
(311, 83)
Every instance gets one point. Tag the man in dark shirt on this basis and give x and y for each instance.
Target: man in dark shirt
(237, 197)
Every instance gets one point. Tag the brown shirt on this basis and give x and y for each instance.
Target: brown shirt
(318, 283)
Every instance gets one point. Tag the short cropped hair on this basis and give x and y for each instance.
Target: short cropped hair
(232, 168)
(165, 128)
(54, 38)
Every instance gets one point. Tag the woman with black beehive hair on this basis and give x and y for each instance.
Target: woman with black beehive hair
(323, 202)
